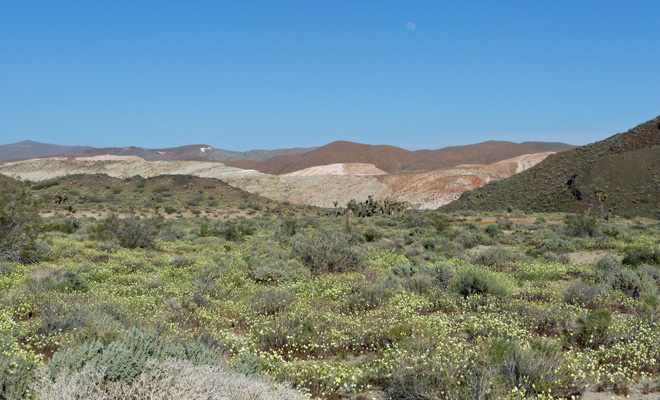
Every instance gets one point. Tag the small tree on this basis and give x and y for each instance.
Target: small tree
(19, 222)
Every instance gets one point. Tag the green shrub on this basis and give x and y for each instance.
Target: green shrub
(440, 222)
(420, 283)
(582, 225)
(592, 329)
(422, 376)
(474, 280)
(493, 230)
(162, 380)
(372, 234)
(19, 224)
(288, 227)
(67, 225)
(279, 271)
(324, 251)
(642, 254)
(557, 244)
(633, 283)
(365, 296)
(131, 232)
(124, 359)
(17, 367)
(496, 256)
(234, 230)
(469, 238)
(247, 364)
(45, 184)
(584, 294)
(272, 301)
(530, 371)
(183, 261)
(607, 264)
(16, 375)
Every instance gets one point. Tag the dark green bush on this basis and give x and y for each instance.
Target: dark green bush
(247, 364)
(365, 296)
(67, 225)
(280, 271)
(19, 224)
(607, 265)
(582, 225)
(327, 251)
(131, 232)
(234, 230)
(496, 256)
(592, 328)
(557, 244)
(493, 230)
(636, 255)
(288, 227)
(531, 370)
(469, 238)
(272, 301)
(474, 280)
(45, 184)
(372, 234)
(584, 294)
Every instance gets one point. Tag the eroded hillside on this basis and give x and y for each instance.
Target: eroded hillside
(320, 187)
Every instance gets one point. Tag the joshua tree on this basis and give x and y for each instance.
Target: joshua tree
(601, 196)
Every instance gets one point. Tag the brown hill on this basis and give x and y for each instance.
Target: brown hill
(387, 158)
(625, 167)
(489, 152)
(394, 159)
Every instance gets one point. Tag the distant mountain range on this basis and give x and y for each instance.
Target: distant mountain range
(29, 149)
(390, 159)
(621, 173)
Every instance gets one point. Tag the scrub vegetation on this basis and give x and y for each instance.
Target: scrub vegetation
(267, 305)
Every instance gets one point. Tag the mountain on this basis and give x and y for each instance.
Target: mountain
(394, 159)
(549, 146)
(490, 152)
(621, 173)
(28, 149)
(281, 161)
(387, 158)
(198, 152)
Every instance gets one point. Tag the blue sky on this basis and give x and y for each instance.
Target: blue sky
(243, 75)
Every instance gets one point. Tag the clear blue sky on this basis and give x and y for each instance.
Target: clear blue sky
(242, 75)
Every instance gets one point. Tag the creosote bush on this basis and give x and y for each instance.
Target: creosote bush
(582, 225)
(474, 280)
(131, 232)
(325, 251)
(592, 328)
(496, 256)
(19, 224)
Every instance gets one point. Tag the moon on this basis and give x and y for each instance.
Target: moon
(410, 25)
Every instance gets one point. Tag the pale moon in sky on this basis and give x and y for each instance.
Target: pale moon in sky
(410, 25)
